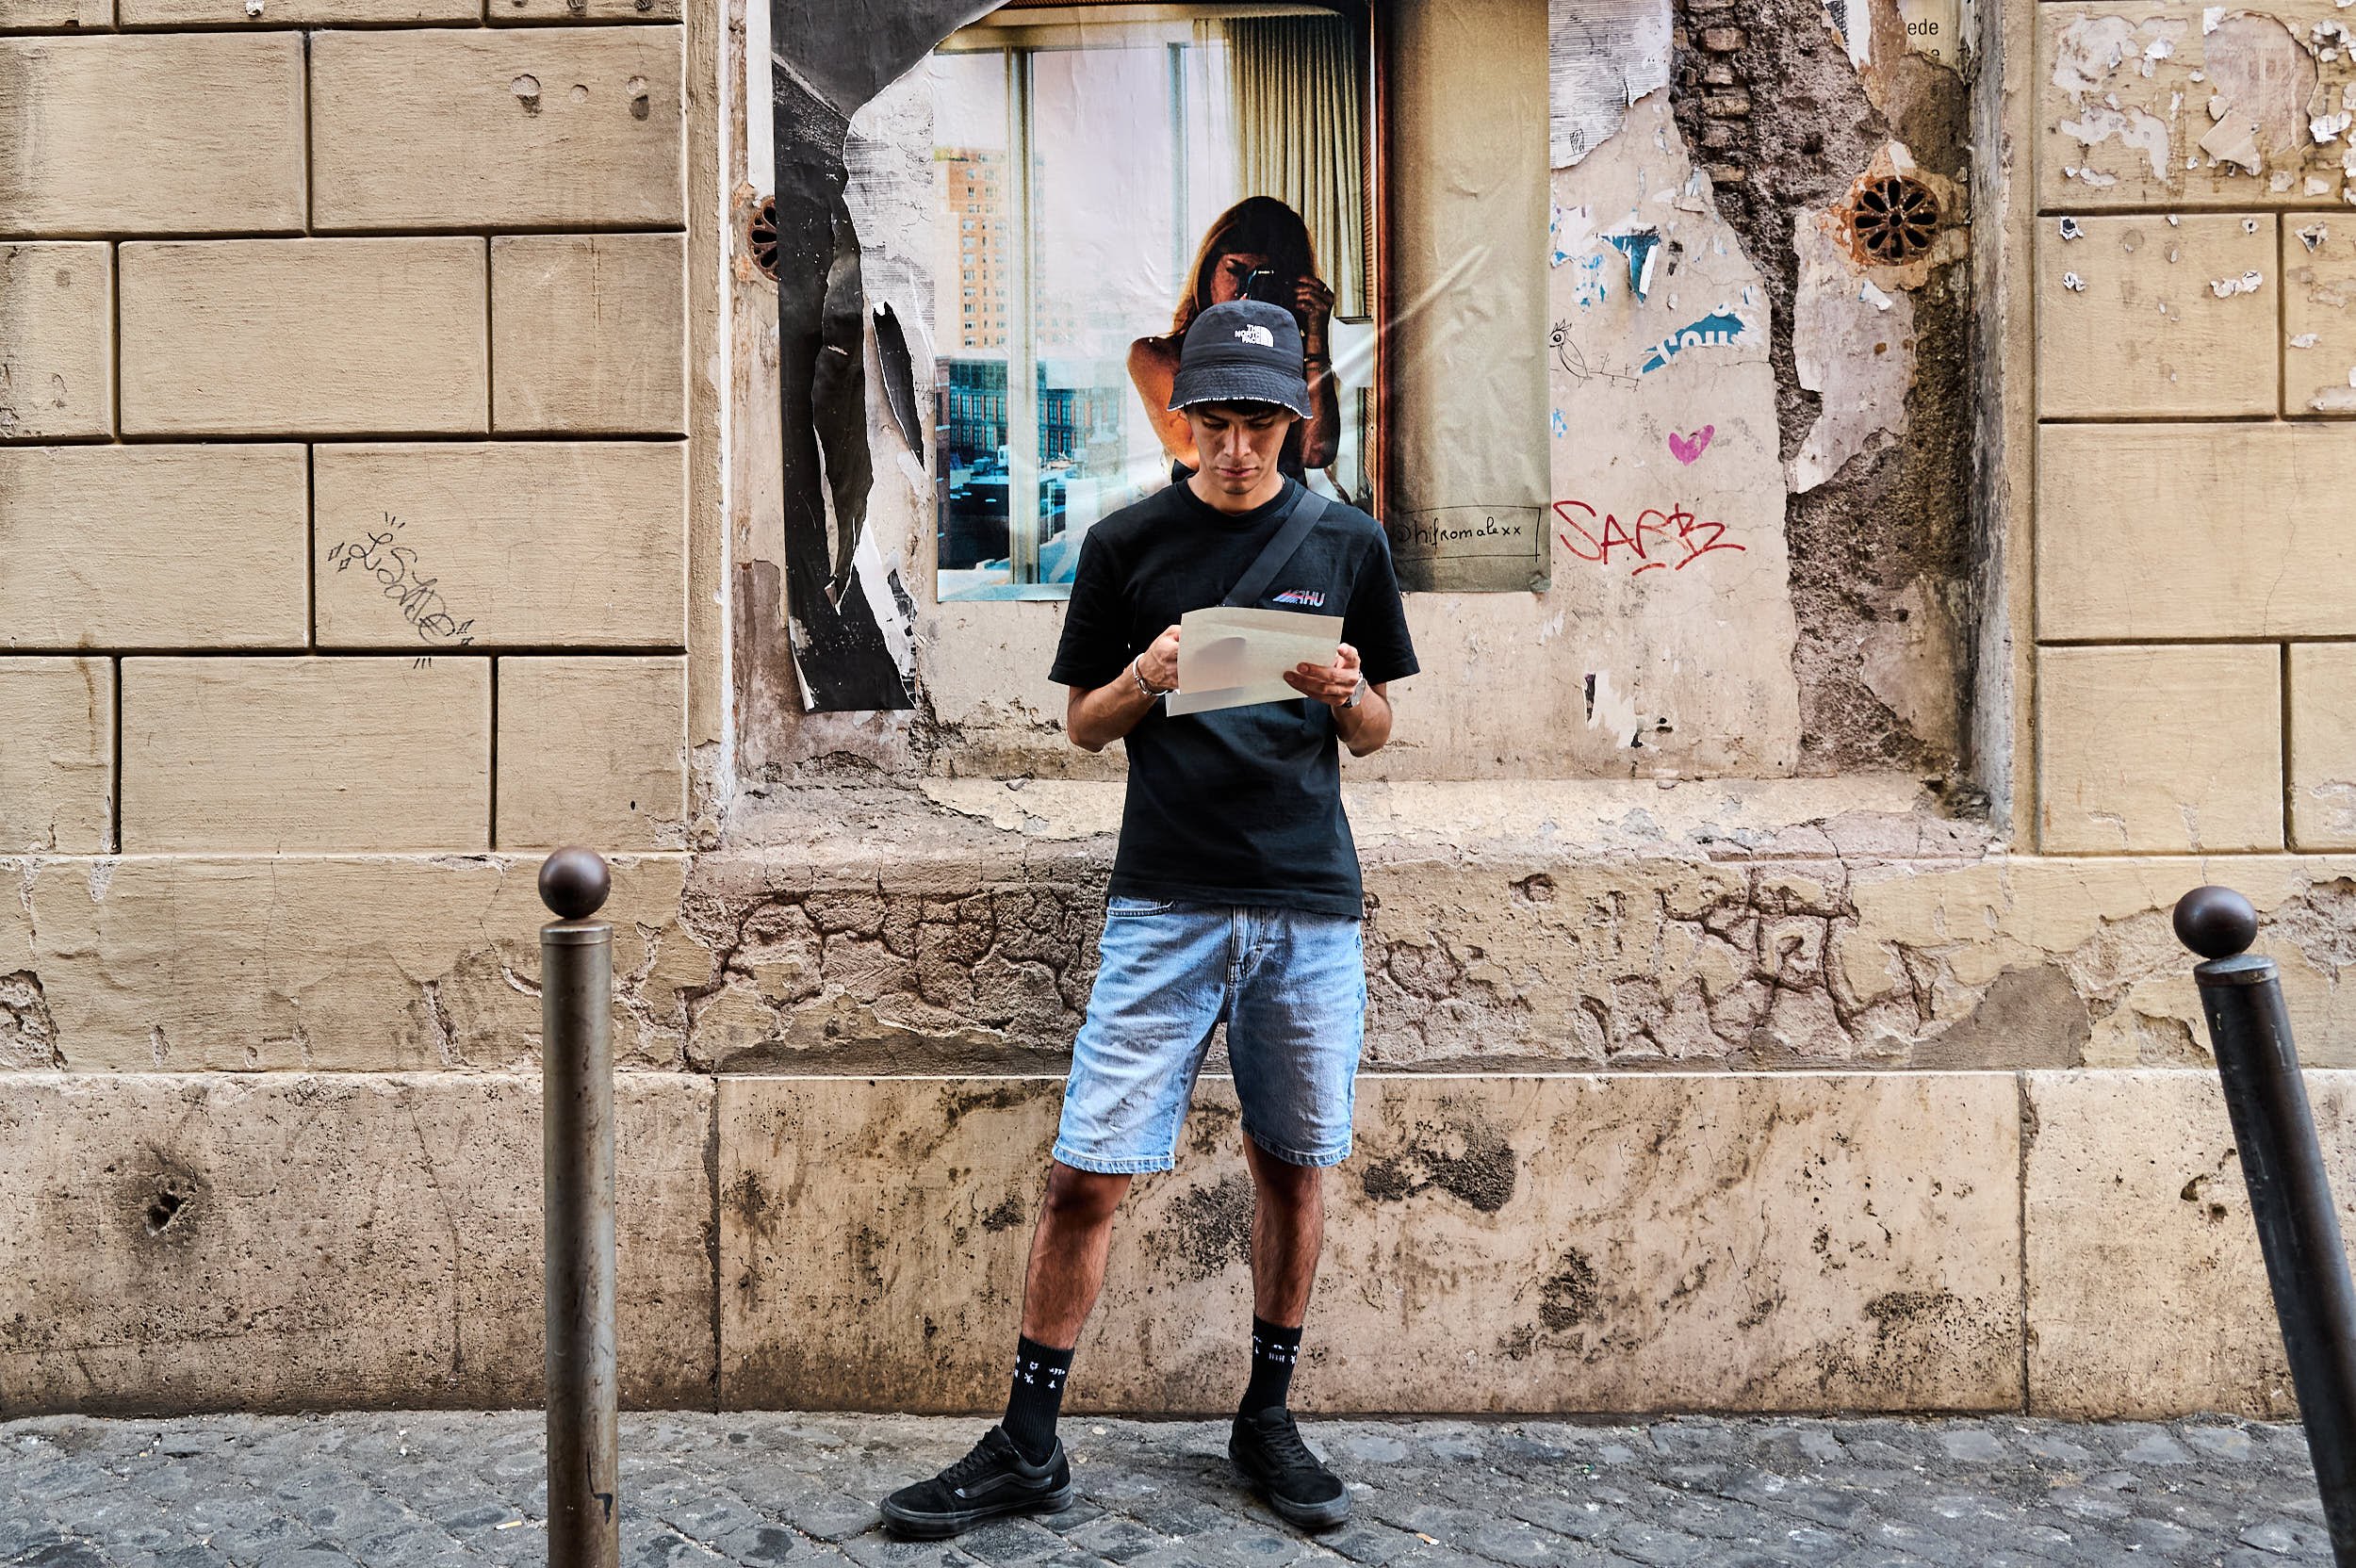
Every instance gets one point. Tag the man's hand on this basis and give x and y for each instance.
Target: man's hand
(1330, 684)
(1160, 662)
(1095, 719)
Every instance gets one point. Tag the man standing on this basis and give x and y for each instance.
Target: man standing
(1234, 897)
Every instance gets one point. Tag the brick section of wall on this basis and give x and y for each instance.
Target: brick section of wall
(577, 127)
(591, 751)
(152, 546)
(2142, 317)
(537, 544)
(197, 133)
(2160, 750)
(167, 282)
(2323, 745)
(2194, 260)
(56, 367)
(57, 760)
(305, 336)
(276, 755)
(588, 332)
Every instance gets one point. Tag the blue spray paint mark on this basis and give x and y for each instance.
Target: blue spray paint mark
(1641, 247)
(1715, 330)
(1561, 426)
(1588, 288)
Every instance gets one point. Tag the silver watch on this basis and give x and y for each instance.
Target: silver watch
(1356, 694)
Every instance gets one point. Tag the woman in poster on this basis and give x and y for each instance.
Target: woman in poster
(1261, 245)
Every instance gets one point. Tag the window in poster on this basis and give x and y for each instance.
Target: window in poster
(1100, 173)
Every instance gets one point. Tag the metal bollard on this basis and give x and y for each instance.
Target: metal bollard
(576, 1145)
(2290, 1195)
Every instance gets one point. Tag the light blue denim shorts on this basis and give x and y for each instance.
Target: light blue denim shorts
(1291, 987)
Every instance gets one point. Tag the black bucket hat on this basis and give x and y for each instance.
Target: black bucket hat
(1246, 351)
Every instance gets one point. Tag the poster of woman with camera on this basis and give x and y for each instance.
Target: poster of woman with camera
(1259, 248)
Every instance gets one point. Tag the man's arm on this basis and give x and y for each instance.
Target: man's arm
(1362, 727)
(1095, 719)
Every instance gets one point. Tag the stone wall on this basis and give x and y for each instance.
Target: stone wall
(387, 492)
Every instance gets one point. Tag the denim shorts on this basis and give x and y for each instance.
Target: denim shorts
(1291, 987)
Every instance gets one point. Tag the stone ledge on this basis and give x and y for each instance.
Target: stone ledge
(921, 953)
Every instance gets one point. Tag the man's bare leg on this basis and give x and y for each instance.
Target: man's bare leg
(1287, 1233)
(1068, 1251)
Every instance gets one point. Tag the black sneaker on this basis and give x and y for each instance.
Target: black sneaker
(995, 1479)
(1266, 1448)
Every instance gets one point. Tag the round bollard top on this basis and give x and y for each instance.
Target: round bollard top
(2215, 923)
(574, 882)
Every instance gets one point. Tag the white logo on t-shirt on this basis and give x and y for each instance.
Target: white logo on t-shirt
(1258, 334)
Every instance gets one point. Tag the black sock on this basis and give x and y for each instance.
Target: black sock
(1036, 1399)
(1273, 1353)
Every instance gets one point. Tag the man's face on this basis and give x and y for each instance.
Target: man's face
(1228, 275)
(1239, 444)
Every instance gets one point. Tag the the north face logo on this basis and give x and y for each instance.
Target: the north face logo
(1300, 595)
(1256, 335)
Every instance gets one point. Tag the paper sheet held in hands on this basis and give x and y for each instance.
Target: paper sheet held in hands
(1233, 658)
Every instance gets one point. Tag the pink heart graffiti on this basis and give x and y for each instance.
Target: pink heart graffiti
(1685, 448)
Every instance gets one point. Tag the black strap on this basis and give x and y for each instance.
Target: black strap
(1306, 511)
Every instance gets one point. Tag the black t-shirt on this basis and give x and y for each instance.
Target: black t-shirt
(1243, 805)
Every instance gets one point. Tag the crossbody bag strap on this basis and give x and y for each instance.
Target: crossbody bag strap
(1301, 517)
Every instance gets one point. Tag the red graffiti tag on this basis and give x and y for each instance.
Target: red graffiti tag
(1673, 539)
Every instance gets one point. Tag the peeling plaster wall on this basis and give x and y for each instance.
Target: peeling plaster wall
(1795, 111)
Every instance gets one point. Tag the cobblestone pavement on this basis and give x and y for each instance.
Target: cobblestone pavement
(390, 1491)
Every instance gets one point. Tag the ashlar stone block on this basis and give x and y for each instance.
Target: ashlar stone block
(523, 13)
(1613, 1243)
(574, 126)
(2157, 531)
(2323, 745)
(56, 375)
(2319, 315)
(290, 755)
(591, 751)
(34, 16)
(2134, 1195)
(56, 764)
(2159, 749)
(189, 133)
(153, 547)
(294, 13)
(173, 1241)
(2148, 315)
(305, 336)
(533, 543)
(2173, 103)
(589, 334)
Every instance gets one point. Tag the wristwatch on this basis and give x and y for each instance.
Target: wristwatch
(1356, 694)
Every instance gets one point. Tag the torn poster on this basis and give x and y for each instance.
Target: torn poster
(829, 57)
(1603, 56)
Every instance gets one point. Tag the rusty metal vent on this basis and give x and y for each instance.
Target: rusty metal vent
(1896, 218)
(761, 236)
